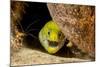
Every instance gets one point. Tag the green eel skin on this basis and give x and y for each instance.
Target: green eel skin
(51, 38)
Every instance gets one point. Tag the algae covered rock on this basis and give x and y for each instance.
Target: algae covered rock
(77, 22)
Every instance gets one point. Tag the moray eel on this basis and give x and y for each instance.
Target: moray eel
(51, 38)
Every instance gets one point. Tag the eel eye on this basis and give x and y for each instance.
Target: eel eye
(48, 32)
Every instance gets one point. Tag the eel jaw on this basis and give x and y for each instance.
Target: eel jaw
(52, 47)
(53, 43)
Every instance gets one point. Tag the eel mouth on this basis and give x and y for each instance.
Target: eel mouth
(53, 43)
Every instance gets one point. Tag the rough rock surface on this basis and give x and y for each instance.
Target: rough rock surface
(26, 56)
(77, 22)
